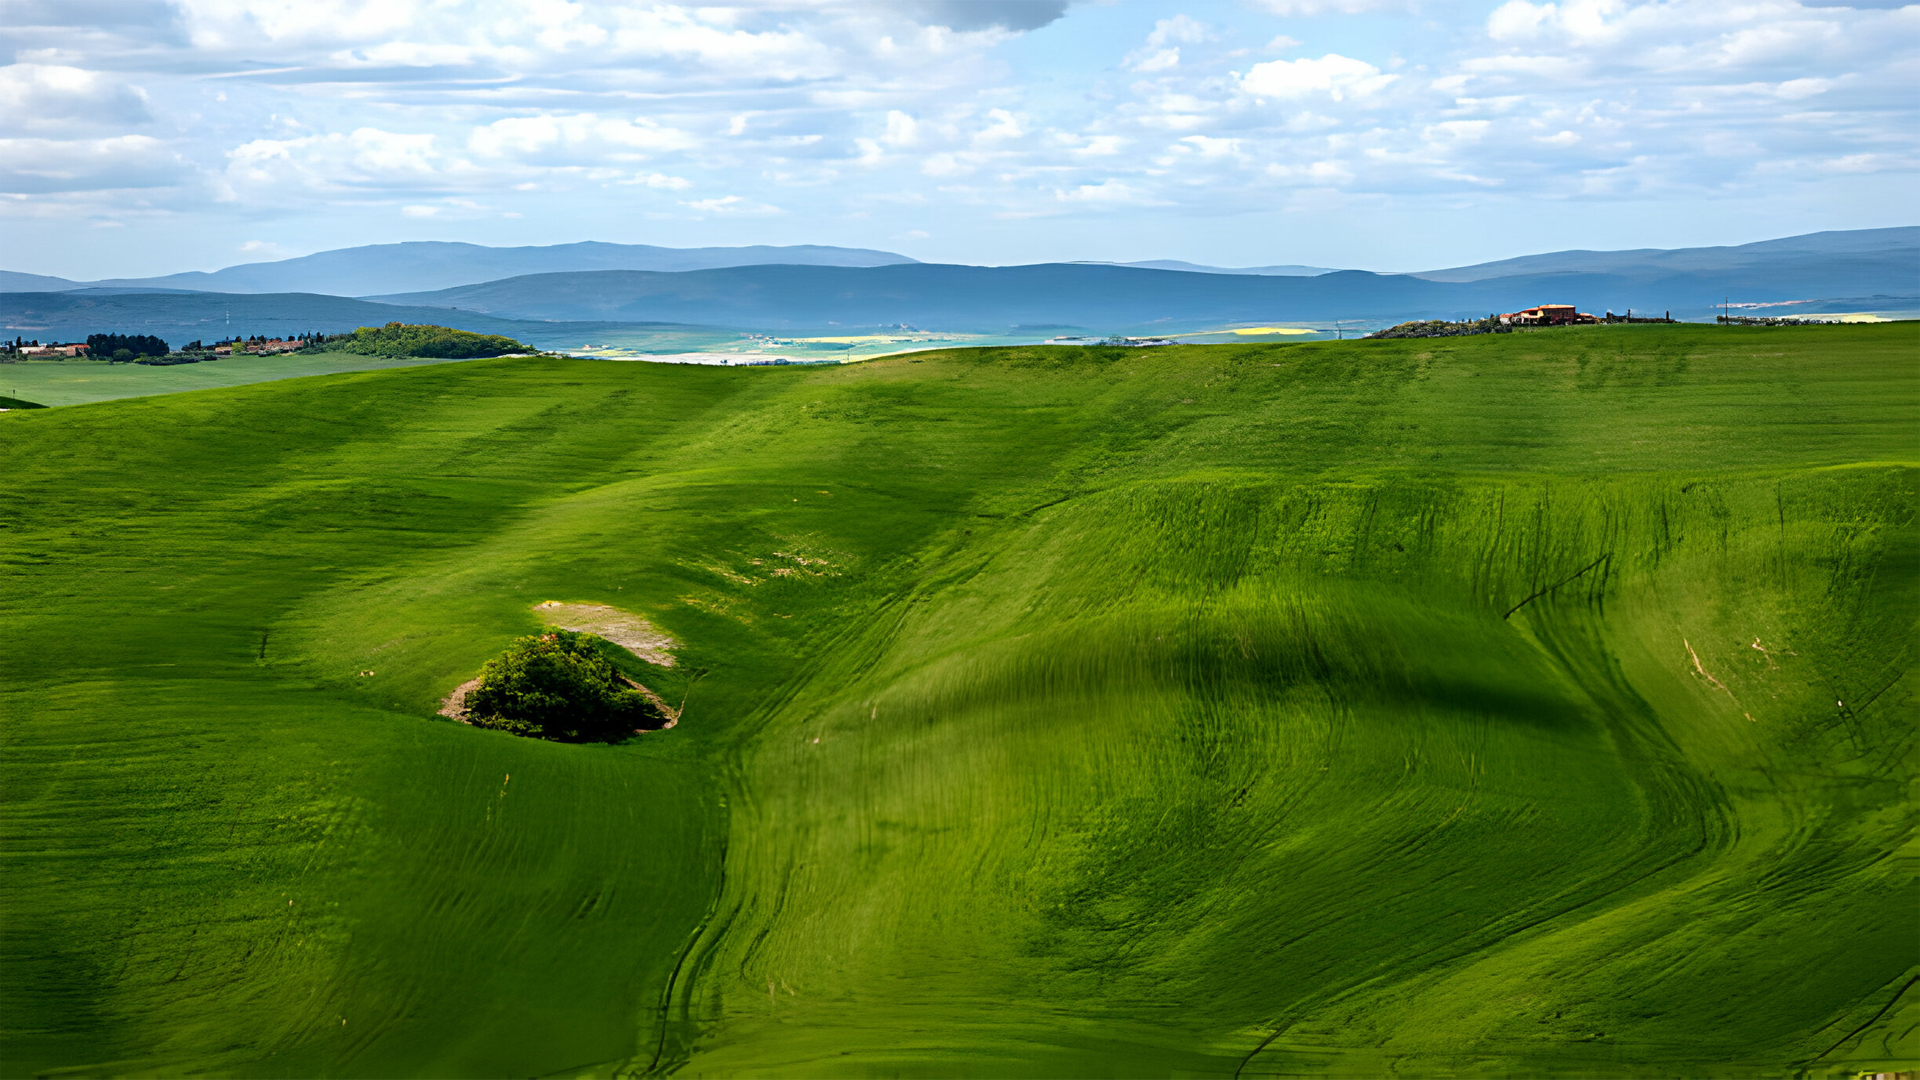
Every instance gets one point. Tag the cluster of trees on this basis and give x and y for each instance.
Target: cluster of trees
(557, 686)
(262, 339)
(401, 339)
(123, 348)
(1443, 328)
(394, 339)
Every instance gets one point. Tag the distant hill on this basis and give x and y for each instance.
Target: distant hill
(12, 281)
(1875, 270)
(941, 297)
(1845, 262)
(1198, 268)
(1122, 299)
(1861, 262)
(418, 265)
(180, 317)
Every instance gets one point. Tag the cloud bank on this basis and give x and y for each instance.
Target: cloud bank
(932, 117)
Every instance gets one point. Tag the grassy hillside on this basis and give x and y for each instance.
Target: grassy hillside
(73, 382)
(1525, 705)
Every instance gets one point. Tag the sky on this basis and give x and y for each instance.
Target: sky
(143, 138)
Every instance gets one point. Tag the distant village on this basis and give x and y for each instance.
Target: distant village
(145, 349)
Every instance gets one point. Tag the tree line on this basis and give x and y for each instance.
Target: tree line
(125, 347)
(392, 340)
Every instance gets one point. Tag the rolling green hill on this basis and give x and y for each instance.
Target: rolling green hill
(1522, 705)
(75, 382)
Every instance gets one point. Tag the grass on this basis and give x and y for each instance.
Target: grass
(75, 382)
(1325, 708)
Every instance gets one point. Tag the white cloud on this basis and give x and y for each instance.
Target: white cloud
(1326, 7)
(1457, 131)
(1539, 67)
(1106, 193)
(660, 180)
(1156, 60)
(599, 112)
(1518, 20)
(732, 206)
(1211, 147)
(1795, 89)
(46, 98)
(944, 165)
(902, 130)
(365, 157)
(1098, 146)
(1162, 49)
(574, 136)
(1002, 125)
(1313, 172)
(1180, 28)
(41, 166)
(1333, 75)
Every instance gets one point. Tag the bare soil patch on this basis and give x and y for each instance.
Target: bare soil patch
(625, 629)
(455, 706)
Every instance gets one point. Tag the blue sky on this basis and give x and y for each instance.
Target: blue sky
(140, 138)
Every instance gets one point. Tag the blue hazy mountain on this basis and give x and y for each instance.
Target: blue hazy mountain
(13, 281)
(1113, 298)
(1288, 270)
(937, 296)
(1892, 252)
(386, 268)
(1869, 270)
(182, 316)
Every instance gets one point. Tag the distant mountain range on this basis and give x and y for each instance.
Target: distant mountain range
(387, 268)
(1875, 269)
(934, 296)
(1889, 256)
(180, 317)
(1099, 297)
(1198, 268)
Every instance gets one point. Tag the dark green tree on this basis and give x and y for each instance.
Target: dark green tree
(136, 344)
(557, 686)
(401, 339)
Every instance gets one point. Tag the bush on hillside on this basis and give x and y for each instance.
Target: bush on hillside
(557, 686)
(441, 342)
(1442, 328)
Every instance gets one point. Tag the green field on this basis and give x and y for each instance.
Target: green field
(75, 382)
(1527, 705)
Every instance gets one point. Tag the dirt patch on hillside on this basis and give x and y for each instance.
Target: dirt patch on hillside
(455, 706)
(671, 714)
(625, 629)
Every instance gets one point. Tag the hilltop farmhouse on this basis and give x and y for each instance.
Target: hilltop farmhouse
(1547, 315)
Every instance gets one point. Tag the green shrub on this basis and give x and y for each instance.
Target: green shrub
(556, 686)
(401, 339)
